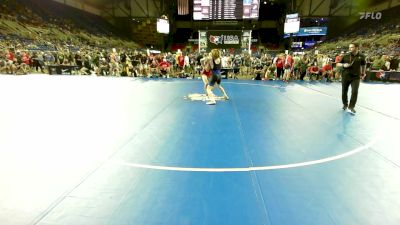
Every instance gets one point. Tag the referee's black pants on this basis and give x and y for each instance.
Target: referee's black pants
(355, 83)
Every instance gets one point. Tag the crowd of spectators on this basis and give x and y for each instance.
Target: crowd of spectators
(30, 43)
(378, 39)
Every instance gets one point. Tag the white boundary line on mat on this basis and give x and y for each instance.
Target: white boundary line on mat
(247, 169)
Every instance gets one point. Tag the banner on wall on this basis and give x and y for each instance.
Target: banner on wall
(202, 40)
(310, 31)
(297, 44)
(308, 44)
(224, 39)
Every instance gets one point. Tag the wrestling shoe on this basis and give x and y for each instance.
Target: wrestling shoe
(211, 102)
(351, 110)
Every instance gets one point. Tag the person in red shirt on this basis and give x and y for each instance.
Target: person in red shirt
(164, 68)
(25, 61)
(180, 61)
(279, 61)
(25, 58)
(10, 67)
(10, 55)
(338, 58)
(288, 66)
(338, 70)
(313, 71)
(206, 63)
(327, 72)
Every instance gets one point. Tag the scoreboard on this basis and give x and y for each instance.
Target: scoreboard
(225, 9)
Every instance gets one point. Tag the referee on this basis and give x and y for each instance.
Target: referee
(354, 65)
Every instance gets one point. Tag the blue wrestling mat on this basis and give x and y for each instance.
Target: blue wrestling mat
(118, 151)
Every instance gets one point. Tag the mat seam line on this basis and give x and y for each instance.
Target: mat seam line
(66, 193)
(385, 158)
(255, 181)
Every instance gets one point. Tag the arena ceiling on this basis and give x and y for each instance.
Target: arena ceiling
(130, 8)
(98, 3)
(139, 15)
(154, 8)
(137, 18)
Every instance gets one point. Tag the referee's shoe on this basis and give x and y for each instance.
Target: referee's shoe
(351, 110)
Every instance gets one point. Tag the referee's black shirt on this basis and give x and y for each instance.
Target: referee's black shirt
(356, 62)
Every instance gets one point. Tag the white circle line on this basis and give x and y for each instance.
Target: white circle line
(247, 169)
(226, 82)
(262, 85)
